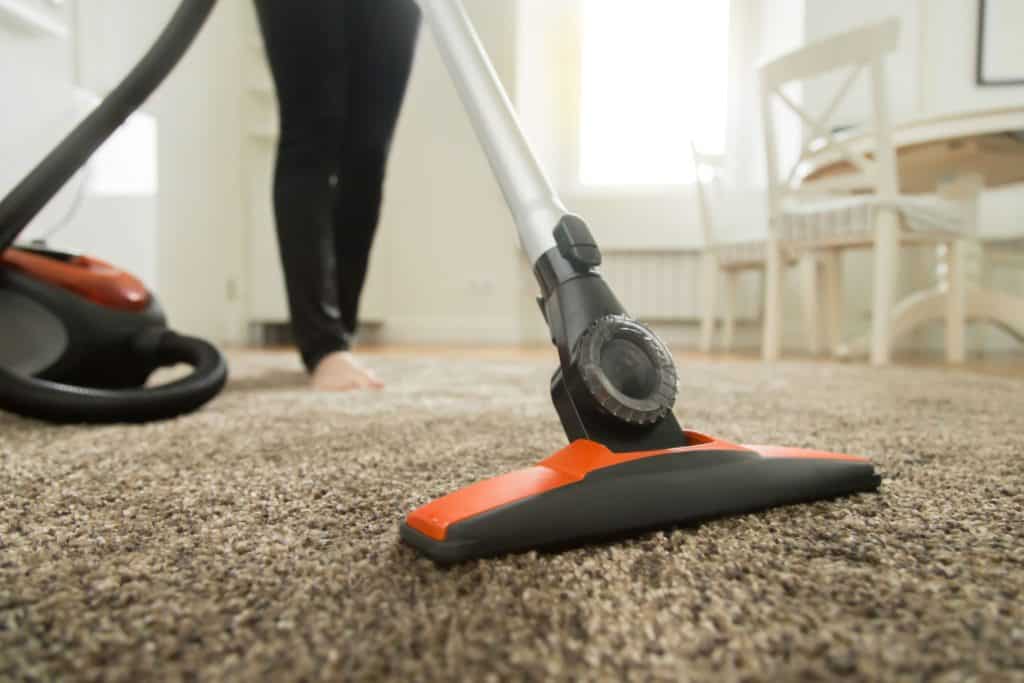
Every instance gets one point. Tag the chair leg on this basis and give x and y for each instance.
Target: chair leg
(832, 290)
(709, 295)
(729, 308)
(762, 275)
(887, 245)
(956, 302)
(809, 300)
(771, 342)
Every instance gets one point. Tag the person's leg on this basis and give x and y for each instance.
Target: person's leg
(380, 58)
(305, 51)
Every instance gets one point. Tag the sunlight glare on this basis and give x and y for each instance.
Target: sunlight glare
(654, 76)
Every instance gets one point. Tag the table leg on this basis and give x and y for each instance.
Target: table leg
(709, 299)
(833, 298)
(729, 296)
(886, 257)
(981, 305)
(997, 308)
(772, 328)
(956, 302)
(809, 301)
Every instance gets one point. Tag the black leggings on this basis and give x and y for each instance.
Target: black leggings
(340, 68)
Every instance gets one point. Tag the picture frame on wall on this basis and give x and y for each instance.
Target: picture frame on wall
(1000, 57)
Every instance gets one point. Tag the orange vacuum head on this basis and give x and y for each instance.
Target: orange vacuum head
(586, 492)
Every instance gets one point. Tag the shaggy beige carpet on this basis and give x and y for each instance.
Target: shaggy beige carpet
(257, 539)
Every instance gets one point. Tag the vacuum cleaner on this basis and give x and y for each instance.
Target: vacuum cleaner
(629, 466)
(80, 336)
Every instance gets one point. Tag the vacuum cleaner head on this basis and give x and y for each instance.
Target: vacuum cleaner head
(586, 492)
(629, 466)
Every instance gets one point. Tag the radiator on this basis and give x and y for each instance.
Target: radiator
(655, 285)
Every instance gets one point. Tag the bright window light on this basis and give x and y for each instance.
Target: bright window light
(126, 164)
(654, 77)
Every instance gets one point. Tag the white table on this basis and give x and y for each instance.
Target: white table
(989, 143)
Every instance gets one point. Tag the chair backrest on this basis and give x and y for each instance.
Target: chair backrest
(858, 51)
(709, 170)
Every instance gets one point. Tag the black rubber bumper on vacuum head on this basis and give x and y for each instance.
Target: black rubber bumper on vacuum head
(572, 506)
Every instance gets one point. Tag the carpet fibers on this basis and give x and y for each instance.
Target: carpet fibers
(257, 539)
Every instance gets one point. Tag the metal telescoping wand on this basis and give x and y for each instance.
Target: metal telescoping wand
(616, 381)
(536, 208)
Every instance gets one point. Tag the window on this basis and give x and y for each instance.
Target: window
(126, 164)
(654, 76)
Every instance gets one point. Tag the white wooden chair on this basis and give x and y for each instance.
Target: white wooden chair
(860, 209)
(722, 262)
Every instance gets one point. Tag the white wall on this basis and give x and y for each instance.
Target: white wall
(200, 204)
(933, 70)
(40, 71)
(200, 265)
(36, 74)
(950, 30)
(191, 248)
(446, 265)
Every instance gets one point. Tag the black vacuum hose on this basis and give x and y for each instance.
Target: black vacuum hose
(56, 402)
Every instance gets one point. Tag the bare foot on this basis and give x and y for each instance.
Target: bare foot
(340, 371)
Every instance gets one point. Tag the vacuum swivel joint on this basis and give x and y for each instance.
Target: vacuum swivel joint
(616, 382)
(627, 372)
